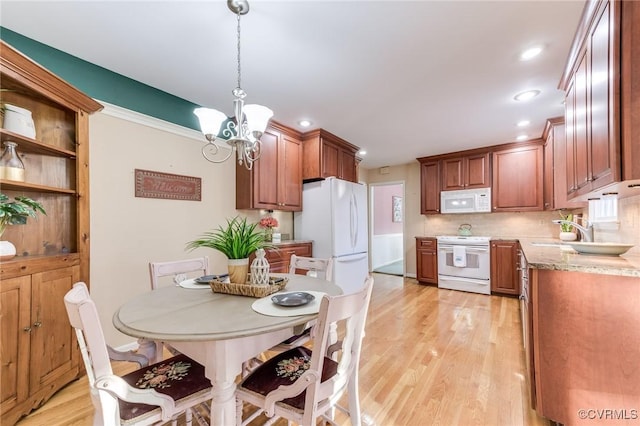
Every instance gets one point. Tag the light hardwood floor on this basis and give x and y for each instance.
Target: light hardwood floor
(430, 357)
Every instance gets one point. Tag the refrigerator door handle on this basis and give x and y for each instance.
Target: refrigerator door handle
(354, 220)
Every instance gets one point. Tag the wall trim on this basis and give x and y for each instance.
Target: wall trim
(153, 122)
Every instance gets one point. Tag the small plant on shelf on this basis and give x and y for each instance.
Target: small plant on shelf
(17, 212)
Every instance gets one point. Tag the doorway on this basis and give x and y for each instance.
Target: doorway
(387, 229)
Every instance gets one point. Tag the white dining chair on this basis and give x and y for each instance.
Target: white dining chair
(310, 266)
(157, 393)
(301, 384)
(178, 271)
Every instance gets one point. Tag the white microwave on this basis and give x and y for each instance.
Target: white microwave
(466, 201)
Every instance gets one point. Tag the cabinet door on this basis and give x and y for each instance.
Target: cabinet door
(15, 300)
(517, 179)
(504, 273)
(477, 171)
(289, 174)
(452, 173)
(430, 187)
(569, 145)
(427, 260)
(548, 185)
(54, 353)
(580, 135)
(330, 158)
(347, 163)
(603, 146)
(264, 171)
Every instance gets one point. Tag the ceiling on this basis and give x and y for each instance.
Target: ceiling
(399, 79)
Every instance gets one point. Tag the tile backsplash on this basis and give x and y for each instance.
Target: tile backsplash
(536, 225)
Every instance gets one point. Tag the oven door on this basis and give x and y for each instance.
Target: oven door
(477, 262)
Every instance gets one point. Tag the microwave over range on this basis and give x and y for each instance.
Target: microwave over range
(466, 201)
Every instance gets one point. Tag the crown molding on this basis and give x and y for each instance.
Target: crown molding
(155, 123)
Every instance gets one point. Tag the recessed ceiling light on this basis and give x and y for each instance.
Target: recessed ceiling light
(362, 152)
(522, 138)
(525, 96)
(304, 123)
(523, 123)
(530, 53)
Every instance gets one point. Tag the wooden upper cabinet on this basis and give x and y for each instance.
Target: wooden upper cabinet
(326, 155)
(466, 172)
(518, 178)
(548, 166)
(602, 114)
(275, 182)
(429, 187)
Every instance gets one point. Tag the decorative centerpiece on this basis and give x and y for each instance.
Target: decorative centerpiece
(260, 269)
(269, 223)
(237, 240)
(566, 229)
(15, 213)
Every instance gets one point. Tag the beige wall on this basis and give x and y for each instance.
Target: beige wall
(128, 232)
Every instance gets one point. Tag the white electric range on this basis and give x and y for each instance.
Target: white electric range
(464, 263)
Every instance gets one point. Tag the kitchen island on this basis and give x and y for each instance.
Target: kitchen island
(582, 335)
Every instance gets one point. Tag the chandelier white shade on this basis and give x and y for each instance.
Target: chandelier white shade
(242, 135)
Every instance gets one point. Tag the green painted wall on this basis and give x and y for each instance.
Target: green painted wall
(105, 85)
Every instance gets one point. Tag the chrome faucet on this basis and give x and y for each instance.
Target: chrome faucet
(587, 233)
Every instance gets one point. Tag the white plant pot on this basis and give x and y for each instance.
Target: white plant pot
(7, 250)
(568, 236)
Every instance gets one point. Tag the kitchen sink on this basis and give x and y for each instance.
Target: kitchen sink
(547, 244)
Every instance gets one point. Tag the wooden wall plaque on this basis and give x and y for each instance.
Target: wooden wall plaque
(168, 186)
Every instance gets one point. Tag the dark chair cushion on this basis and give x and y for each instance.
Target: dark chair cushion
(178, 377)
(284, 369)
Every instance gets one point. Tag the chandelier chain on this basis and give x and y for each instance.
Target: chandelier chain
(239, 68)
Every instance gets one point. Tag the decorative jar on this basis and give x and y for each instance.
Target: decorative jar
(11, 166)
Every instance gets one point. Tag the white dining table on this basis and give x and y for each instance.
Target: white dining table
(220, 331)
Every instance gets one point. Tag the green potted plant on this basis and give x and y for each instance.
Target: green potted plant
(237, 240)
(15, 212)
(566, 229)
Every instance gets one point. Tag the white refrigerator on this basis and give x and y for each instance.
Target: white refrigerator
(334, 217)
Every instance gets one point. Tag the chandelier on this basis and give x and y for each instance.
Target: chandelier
(242, 134)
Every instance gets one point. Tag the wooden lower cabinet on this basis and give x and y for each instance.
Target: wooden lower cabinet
(280, 256)
(39, 350)
(504, 267)
(427, 260)
(586, 346)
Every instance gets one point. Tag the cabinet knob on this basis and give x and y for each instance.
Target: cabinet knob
(27, 329)
(37, 324)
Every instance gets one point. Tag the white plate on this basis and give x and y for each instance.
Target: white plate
(608, 249)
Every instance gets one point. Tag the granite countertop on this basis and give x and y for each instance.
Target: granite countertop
(567, 259)
(286, 242)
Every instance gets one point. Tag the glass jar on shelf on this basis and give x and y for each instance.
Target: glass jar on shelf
(11, 166)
